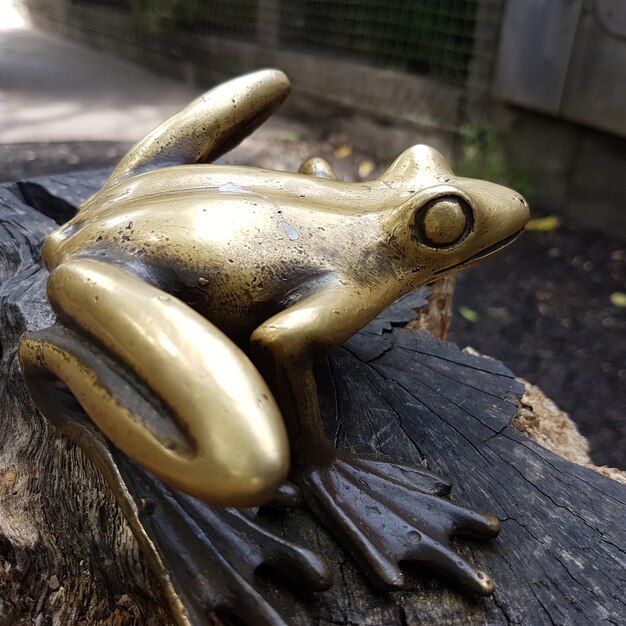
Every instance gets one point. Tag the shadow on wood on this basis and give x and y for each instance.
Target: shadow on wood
(68, 554)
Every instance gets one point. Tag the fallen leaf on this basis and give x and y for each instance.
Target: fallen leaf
(469, 314)
(343, 151)
(289, 136)
(618, 299)
(544, 224)
(366, 168)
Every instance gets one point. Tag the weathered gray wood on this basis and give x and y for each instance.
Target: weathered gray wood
(66, 553)
(65, 550)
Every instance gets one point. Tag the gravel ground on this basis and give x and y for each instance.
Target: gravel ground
(542, 307)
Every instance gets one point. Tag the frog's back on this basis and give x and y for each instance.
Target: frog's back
(202, 226)
(233, 257)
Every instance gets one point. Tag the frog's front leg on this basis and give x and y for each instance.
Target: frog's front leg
(161, 382)
(357, 497)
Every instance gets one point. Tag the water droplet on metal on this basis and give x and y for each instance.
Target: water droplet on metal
(291, 232)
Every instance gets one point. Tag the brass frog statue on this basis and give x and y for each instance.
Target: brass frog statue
(209, 289)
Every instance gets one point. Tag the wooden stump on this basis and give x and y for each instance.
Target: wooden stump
(67, 555)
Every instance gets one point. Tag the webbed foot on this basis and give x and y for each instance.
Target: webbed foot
(211, 554)
(385, 513)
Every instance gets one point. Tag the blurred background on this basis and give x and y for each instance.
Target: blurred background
(528, 93)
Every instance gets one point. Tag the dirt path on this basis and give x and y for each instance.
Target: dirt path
(53, 90)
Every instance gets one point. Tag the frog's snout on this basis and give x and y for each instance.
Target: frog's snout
(521, 211)
(499, 212)
(502, 221)
(499, 217)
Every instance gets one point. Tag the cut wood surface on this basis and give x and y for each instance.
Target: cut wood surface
(68, 556)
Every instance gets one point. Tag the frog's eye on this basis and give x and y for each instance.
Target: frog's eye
(443, 222)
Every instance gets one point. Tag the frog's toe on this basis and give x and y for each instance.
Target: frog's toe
(407, 475)
(475, 524)
(442, 558)
(387, 517)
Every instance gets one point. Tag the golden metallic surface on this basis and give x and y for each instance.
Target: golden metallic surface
(187, 275)
(211, 125)
(316, 166)
(231, 443)
(445, 222)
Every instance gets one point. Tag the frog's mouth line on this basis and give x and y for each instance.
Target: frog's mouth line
(485, 252)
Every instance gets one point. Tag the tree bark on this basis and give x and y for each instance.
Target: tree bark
(68, 556)
(435, 316)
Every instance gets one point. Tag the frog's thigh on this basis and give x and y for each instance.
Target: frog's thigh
(238, 451)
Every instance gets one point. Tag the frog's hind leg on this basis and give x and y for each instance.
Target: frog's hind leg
(209, 126)
(162, 383)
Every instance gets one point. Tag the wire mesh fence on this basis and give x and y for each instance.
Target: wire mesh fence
(442, 39)
(426, 38)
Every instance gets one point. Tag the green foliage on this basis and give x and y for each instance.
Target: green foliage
(223, 17)
(162, 15)
(484, 156)
(618, 299)
(469, 314)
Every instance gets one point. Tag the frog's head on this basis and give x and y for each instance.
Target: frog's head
(447, 223)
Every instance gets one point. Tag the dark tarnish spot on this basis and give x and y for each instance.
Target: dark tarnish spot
(371, 266)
